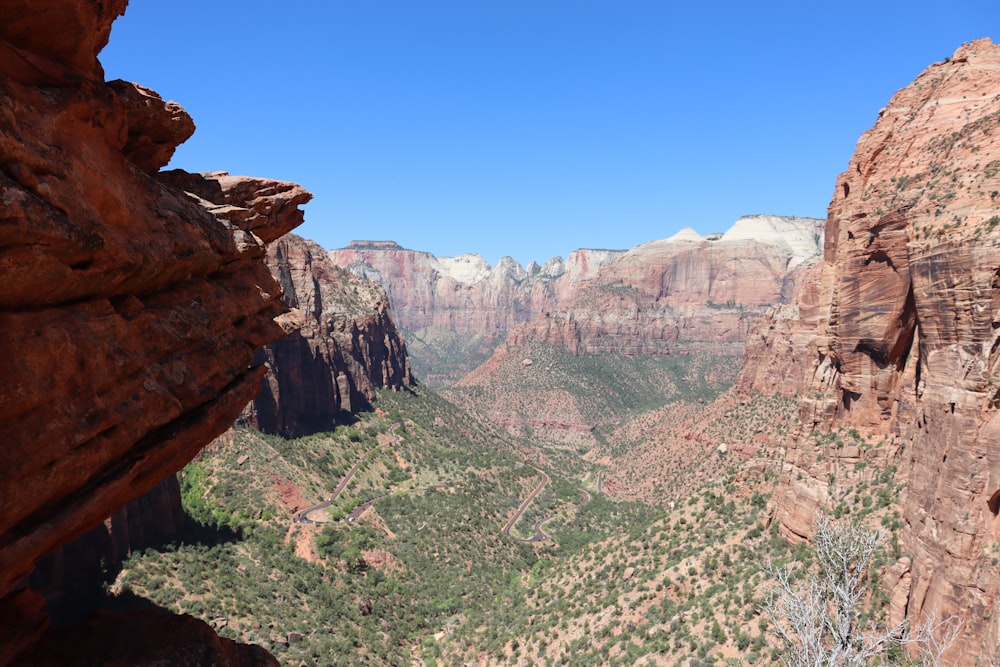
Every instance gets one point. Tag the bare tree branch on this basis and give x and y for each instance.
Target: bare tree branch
(819, 620)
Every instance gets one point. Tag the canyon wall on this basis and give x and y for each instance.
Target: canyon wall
(465, 294)
(689, 297)
(683, 293)
(130, 310)
(345, 346)
(901, 343)
(456, 309)
(72, 576)
(652, 299)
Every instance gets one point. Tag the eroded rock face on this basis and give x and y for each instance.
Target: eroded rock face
(682, 295)
(906, 339)
(465, 294)
(651, 299)
(130, 311)
(685, 292)
(456, 309)
(344, 347)
(68, 32)
(771, 357)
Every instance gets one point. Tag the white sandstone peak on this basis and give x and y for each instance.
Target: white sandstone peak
(803, 236)
(466, 269)
(686, 234)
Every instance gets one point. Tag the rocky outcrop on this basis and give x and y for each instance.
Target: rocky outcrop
(130, 311)
(906, 340)
(345, 345)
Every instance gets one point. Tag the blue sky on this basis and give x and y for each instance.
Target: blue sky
(531, 128)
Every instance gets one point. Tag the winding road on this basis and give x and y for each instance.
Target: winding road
(302, 516)
(527, 501)
(540, 535)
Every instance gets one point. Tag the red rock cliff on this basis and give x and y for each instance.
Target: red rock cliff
(346, 345)
(130, 311)
(652, 299)
(465, 294)
(904, 342)
(684, 292)
(456, 309)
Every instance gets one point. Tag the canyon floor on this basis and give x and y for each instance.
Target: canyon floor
(454, 541)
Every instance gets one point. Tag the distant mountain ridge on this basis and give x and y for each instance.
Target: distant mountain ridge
(464, 293)
(686, 297)
(665, 296)
(671, 288)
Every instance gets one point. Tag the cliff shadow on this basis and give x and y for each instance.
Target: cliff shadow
(76, 579)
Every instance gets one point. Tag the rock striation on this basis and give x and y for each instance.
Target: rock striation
(901, 341)
(464, 293)
(685, 292)
(130, 311)
(344, 347)
(685, 295)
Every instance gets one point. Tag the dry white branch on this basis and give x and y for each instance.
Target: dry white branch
(819, 620)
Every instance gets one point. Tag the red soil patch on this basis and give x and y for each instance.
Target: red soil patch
(381, 560)
(290, 494)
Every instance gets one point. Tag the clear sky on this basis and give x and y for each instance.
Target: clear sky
(531, 128)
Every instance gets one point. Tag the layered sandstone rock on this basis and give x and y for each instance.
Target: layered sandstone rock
(906, 340)
(771, 356)
(642, 301)
(456, 309)
(465, 294)
(683, 293)
(129, 311)
(345, 346)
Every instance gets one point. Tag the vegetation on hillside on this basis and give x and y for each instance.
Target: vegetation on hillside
(439, 357)
(410, 563)
(428, 552)
(543, 392)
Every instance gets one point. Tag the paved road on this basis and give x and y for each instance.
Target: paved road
(302, 516)
(540, 535)
(361, 509)
(527, 501)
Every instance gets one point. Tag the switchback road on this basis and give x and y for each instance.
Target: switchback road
(527, 501)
